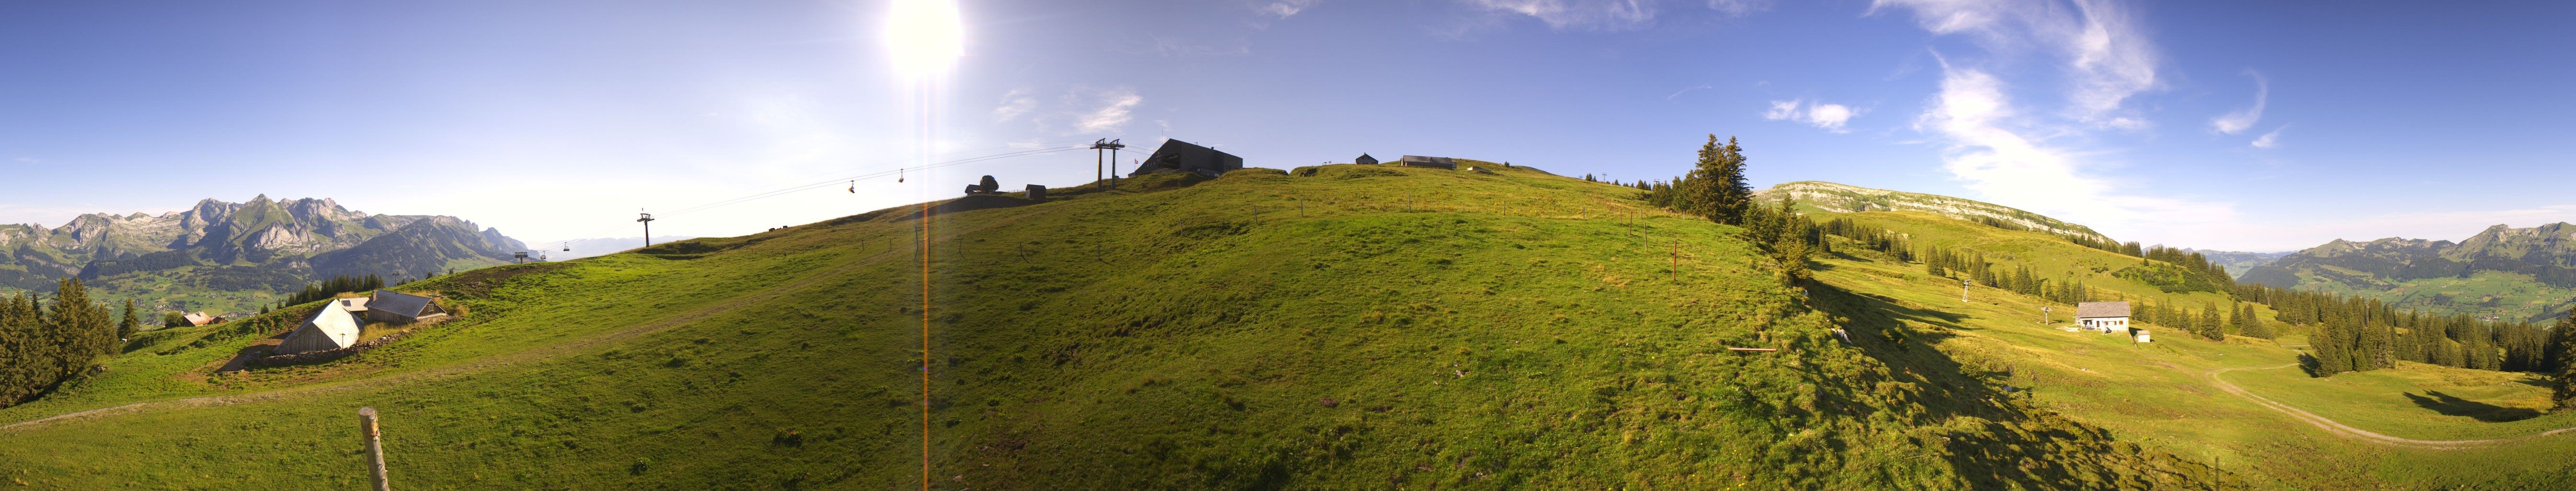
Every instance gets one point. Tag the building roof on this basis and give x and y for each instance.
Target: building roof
(331, 328)
(397, 303)
(358, 304)
(1181, 156)
(2101, 309)
(199, 318)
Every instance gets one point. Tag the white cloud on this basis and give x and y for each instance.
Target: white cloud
(1679, 93)
(1116, 106)
(2105, 58)
(1285, 8)
(1991, 152)
(1015, 104)
(2236, 122)
(1781, 110)
(1075, 111)
(2269, 140)
(1739, 8)
(1607, 15)
(1830, 117)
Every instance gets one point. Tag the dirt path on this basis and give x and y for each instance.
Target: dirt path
(547, 351)
(2331, 426)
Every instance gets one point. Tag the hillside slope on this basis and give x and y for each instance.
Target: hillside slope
(1335, 327)
(2168, 395)
(1844, 198)
(2502, 272)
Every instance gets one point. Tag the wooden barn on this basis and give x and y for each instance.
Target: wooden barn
(333, 327)
(1365, 159)
(1181, 156)
(393, 307)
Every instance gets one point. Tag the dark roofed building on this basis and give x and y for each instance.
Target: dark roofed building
(1181, 156)
(396, 307)
(1421, 161)
(1365, 159)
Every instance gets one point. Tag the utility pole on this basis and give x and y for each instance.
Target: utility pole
(375, 447)
(2043, 315)
(1963, 290)
(1112, 146)
(647, 220)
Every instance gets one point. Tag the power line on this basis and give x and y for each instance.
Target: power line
(835, 181)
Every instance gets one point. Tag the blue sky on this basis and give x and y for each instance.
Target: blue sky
(2227, 125)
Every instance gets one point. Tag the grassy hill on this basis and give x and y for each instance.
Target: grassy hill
(1328, 327)
(2167, 395)
(1334, 327)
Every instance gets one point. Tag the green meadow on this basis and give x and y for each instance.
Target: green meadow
(1336, 327)
(2160, 394)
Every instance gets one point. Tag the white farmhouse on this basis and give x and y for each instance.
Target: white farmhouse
(2108, 317)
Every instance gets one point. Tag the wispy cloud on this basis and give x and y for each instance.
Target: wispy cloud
(1739, 8)
(1991, 151)
(1608, 15)
(2269, 140)
(1075, 111)
(1830, 117)
(1679, 93)
(2106, 59)
(2236, 122)
(1285, 8)
(1115, 109)
(1015, 104)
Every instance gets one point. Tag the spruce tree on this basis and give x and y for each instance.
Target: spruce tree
(1699, 191)
(1733, 194)
(128, 324)
(2562, 349)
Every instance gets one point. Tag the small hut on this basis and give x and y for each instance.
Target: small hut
(401, 308)
(332, 328)
(1365, 159)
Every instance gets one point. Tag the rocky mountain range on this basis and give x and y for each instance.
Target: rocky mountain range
(2502, 271)
(259, 245)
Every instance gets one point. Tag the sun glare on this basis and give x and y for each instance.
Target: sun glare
(923, 37)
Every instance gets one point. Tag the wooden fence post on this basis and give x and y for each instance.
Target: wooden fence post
(375, 447)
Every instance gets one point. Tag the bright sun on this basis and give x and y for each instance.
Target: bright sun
(924, 36)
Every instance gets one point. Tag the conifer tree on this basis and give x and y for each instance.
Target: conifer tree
(129, 323)
(2562, 347)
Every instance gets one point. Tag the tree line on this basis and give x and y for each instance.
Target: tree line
(43, 344)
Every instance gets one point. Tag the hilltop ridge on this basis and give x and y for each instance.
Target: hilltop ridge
(1845, 198)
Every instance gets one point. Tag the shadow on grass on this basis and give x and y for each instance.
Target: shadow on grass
(2018, 446)
(2455, 406)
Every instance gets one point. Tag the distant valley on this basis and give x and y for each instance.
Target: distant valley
(224, 256)
(2237, 263)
